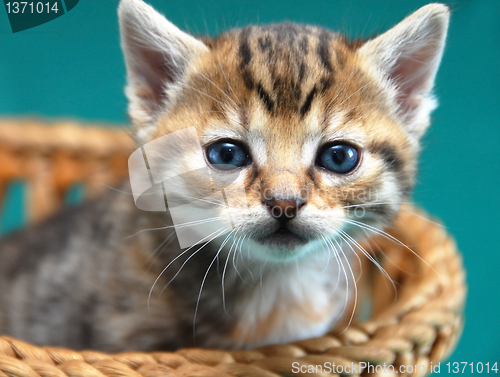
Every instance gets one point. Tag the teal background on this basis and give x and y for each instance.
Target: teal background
(72, 68)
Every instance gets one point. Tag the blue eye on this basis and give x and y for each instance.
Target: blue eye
(341, 158)
(227, 155)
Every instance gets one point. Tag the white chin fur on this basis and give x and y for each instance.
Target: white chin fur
(259, 251)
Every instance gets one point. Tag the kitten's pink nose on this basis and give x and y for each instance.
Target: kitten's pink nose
(284, 209)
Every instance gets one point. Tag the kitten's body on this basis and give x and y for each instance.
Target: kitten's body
(81, 281)
(286, 95)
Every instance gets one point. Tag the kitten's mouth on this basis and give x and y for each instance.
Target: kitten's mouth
(283, 239)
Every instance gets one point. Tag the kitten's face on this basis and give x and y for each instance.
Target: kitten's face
(322, 140)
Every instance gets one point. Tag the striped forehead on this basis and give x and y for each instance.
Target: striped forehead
(286, 64)
(284, 68)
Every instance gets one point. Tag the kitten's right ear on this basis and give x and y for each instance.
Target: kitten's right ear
(157, 55)
(408, 55)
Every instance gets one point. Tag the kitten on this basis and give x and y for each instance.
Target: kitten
(321, 133)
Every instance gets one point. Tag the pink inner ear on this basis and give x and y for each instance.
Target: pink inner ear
(413, 75)
(155, 71)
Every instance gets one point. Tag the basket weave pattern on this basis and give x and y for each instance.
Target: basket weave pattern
(51, 158)
(419, 325)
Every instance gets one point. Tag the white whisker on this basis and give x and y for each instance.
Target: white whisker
(225, 106)
(181, 254)
(367, 254)
(390, 237)
(163, 245)
(341, 265)
(227, 82)
(190, 223)
(225, 269)
(220, 90)
(203, 282)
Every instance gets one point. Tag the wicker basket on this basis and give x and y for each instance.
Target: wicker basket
(51, 159)
(418, 326)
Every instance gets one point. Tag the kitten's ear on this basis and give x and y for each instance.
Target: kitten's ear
(409, 55)
(157, 55)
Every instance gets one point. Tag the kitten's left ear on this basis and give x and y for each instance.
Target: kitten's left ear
(157, 56)
(409, 55)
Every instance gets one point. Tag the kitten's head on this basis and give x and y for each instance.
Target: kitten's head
(322, 133)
